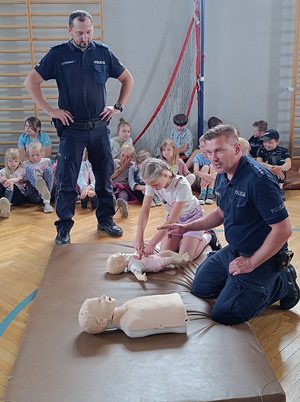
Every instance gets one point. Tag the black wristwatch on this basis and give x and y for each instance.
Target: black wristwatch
(118, 106)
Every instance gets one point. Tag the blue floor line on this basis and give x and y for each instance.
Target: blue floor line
(12, 315)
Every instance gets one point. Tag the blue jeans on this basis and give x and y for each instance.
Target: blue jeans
(71, 146)
(241, 297)
(33, 193)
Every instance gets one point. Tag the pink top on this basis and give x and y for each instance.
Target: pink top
(152, 263)
(182, 169)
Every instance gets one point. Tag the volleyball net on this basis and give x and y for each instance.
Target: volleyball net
(178, 96)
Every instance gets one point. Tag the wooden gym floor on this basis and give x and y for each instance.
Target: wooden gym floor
(27, 239)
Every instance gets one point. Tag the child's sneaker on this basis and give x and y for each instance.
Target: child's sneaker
(156, 200)
(209, 198)
(123, 207)
(4, 207)
(152, 203)
(115, 202)
(42, 187)
(202, 197)
(214, 243)
(48, 207)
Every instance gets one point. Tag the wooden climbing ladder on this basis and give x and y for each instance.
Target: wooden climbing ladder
(28, 28)
(295, 102)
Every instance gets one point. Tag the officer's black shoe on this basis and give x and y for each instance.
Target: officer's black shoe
(84, 202)
(63, 238)
(293, 295)
(94, 201)
(111, 229)
(214, 243)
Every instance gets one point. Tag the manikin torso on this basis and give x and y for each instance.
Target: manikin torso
(143, 316)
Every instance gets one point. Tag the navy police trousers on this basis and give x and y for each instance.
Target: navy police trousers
(242, 297)
(71, 146)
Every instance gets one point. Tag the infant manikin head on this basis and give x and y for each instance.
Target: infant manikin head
(95, 313)
(116, 263)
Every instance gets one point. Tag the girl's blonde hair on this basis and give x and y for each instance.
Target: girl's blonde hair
(123, 122)
(128, 148)
(245, 146)
(142, 155)
(12, 153)
(153, 168)
(34, 146)
(172, 144)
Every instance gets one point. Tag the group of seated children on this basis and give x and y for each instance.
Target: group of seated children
(31, 180)
(29, 174)
(265, 148)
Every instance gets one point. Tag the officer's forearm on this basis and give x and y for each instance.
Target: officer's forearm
(127, 82)
(33, 85)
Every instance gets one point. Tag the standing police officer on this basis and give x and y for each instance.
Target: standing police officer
(81, 68)
(253, 271)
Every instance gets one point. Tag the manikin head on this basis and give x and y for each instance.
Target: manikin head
(95, 313)
(116, 263)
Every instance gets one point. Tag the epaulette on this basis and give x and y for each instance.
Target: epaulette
(59, 45)
(99, 44)
(258, 169)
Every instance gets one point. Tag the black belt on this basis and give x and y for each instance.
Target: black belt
(240, 254)
(88, 124)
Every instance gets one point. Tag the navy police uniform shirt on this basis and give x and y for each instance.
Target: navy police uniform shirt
(250, 202)
(80, 76)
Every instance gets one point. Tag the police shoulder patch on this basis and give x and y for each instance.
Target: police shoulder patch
(258, 169)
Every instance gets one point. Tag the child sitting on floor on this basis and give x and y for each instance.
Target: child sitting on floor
(39, 176)
(245, 145)
(121, 188)
(275, 158)
(86, 183)
(169, 154)
(182, 136)
(122, 138)
(205, 175)
(213, 121)
(12, 182)
(136, 184)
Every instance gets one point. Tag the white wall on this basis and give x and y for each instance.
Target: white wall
(249, 56)
(248, 49)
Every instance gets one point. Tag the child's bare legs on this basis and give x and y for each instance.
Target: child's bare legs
(203, 185)
(192, 246)
(171, 244)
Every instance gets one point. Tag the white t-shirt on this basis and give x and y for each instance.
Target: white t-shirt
(179, 190)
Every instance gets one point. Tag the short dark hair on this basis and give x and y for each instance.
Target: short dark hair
(180, 120)
(262, 125)
(213, 122)
(34, 123)
(81, 15)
